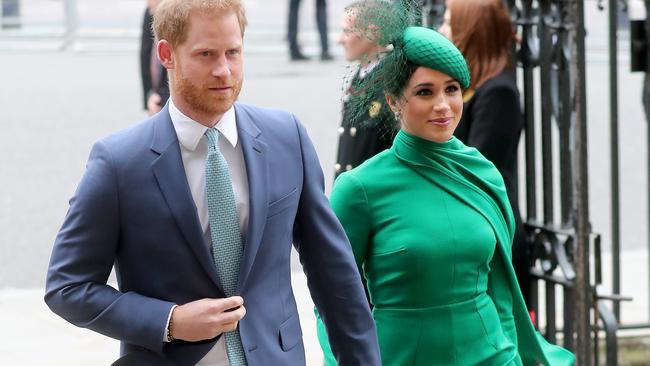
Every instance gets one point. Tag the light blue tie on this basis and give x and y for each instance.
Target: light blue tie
(224, 229)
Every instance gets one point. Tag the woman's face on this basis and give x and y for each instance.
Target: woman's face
(430, 105)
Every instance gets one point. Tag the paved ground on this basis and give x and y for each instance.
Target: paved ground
(55, 104)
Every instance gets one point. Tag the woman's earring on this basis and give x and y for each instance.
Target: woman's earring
(398, 116)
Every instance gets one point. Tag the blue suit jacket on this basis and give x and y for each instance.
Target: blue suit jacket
(133, 210)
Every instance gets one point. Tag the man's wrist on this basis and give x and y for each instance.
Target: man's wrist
(169, 330)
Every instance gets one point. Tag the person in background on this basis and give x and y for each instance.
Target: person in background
(197, 208)
(10, 14)
(295, 53)
(492, 119)
(155, 87)
(367, 126)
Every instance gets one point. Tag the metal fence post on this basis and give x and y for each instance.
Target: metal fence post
(646, 104)
(614, 151)
(581, 189)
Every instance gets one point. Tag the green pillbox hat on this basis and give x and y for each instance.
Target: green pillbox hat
(426, 47)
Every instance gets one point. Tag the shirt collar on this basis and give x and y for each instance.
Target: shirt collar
(365, 70)
(190, 132)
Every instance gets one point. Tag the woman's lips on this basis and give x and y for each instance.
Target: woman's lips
(442, 122)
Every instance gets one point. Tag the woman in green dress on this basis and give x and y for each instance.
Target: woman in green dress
(431, 227)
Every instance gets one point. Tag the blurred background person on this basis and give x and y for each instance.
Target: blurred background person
(155, 88)
(321, 20)
(492, 119)
(10, 14)
(367, 126)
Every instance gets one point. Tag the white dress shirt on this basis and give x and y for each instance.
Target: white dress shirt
(194, 150)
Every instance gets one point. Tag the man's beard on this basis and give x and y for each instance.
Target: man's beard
(201, 100)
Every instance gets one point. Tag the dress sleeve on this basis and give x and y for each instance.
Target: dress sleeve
(500, 291)
(350, 204)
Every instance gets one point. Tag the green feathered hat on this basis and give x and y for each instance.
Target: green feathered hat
(408, 47)
(426, 47)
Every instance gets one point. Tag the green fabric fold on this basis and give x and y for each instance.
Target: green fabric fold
(458, 168)
(465, 174)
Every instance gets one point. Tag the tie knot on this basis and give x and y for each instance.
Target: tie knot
(213, 138)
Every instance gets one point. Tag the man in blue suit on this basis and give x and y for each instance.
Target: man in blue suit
(150, 204)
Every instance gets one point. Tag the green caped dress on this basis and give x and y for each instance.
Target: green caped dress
(431, 227)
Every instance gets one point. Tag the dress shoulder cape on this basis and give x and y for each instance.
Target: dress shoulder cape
(464, 173)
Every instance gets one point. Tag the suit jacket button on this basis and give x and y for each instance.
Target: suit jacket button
(337, 167)
(341, 130)
(353, 131)
(348, 167)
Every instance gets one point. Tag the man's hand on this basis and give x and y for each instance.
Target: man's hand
(206, 318)
(153, 104)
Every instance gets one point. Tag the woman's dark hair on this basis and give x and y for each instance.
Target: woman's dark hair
(395, 87)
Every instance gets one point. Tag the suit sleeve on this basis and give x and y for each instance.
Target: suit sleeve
(82, 257)
(332, 275)
(350, 204)
(496, 124)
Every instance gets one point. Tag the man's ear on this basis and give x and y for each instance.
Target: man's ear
(372, 33)
(165, 54)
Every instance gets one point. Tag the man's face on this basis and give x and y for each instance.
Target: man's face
(208, 67)
(356, 45)
(151, 4)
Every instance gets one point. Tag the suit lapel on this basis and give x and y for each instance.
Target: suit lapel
(170, 175)
(256, 168)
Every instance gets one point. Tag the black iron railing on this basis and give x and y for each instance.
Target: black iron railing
(551, 58)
